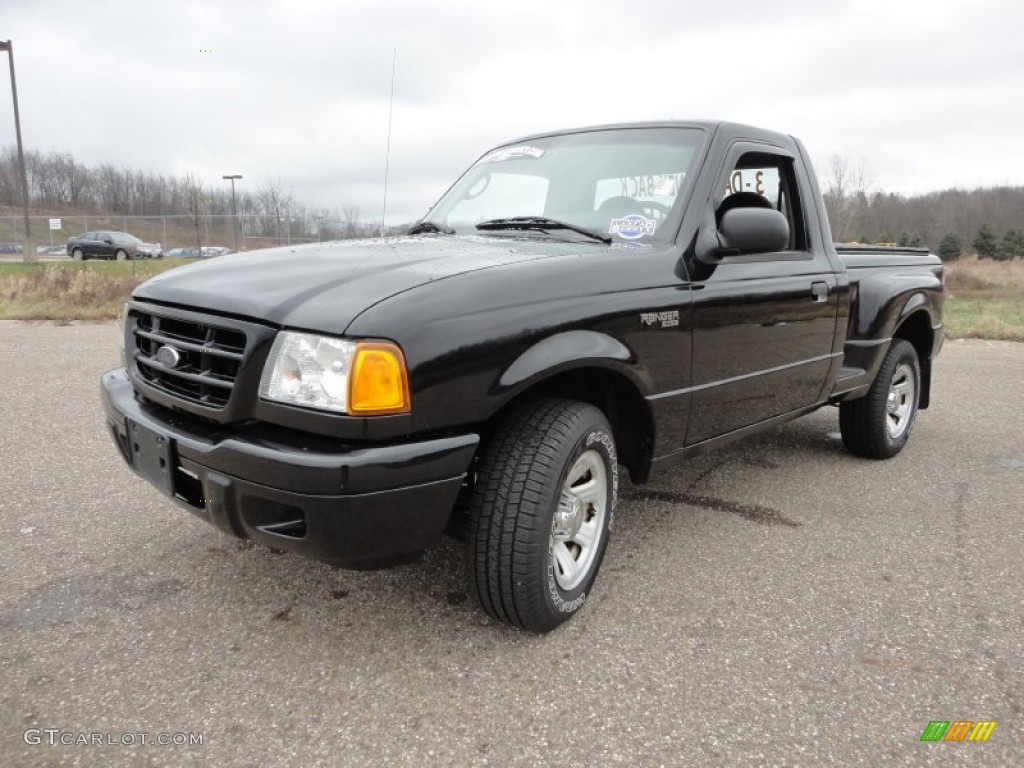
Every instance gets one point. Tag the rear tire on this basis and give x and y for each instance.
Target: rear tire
(878, 425)
(77, 254)
(540, 513)
(121, 255)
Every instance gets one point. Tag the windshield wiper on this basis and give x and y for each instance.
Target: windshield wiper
(430, 226)
(541, 224)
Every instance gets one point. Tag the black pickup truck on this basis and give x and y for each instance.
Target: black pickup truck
(621, 295)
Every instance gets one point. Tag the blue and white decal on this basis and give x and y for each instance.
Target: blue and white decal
(632, 227)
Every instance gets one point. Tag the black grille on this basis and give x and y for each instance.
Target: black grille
(208, 357)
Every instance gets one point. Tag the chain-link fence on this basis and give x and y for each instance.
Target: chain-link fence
(246, 232)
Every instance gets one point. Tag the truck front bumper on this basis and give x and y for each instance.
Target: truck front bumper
(350, 505)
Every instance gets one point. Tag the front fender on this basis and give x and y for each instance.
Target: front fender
(564, 351)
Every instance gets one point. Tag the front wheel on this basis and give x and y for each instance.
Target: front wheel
(878, 425)
(540, 513)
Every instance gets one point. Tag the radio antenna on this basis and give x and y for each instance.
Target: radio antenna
(387, 153)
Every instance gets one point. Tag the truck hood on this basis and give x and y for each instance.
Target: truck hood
(323, 287)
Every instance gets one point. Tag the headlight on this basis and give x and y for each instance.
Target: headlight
(358, 378)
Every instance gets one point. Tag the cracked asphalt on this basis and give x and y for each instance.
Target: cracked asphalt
(778, 602)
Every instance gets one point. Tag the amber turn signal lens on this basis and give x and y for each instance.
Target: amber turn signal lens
(378, 382)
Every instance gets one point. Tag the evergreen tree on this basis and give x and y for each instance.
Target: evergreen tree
(985, 243)
(910, 240)
(1012, 245)
(949, 247)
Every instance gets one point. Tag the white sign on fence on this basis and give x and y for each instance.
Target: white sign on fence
(54, 223)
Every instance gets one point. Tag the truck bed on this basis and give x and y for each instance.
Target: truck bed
(856, 256)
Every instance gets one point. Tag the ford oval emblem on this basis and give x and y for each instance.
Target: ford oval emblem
(168, 356)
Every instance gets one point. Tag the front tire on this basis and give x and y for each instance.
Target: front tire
(540, 513)
(878, 425)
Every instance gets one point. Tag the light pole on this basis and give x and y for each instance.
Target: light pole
(8, 45)
(234, 208)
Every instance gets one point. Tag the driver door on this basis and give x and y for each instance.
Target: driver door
(104, 245)
(763, 324)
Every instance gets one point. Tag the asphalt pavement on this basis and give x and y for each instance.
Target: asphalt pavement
(778, 602)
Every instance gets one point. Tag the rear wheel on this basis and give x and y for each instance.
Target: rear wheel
(540, 513)
(121, 255)
(77, 254)
(878, 425)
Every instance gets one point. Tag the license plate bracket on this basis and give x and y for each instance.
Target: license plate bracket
(151, 455)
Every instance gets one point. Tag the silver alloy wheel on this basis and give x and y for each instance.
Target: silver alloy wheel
(578, 523)
(121, 255)
(76, 254)
(899, 405)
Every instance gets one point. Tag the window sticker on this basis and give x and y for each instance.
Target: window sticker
(632, 227)
(509, 153)
(664, 186)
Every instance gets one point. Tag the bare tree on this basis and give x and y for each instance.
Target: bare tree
(350, 217)
(847, 185)
(274, 200)
(194, 205)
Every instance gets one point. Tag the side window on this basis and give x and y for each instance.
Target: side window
(763, 179)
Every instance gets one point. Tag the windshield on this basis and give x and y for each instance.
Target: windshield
(625, 183)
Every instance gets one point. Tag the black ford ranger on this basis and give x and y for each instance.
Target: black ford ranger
(580, 300)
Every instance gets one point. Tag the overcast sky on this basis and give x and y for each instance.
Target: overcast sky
(930, 94)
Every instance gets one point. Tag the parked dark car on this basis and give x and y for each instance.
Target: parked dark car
(111, 245)
(622, 295)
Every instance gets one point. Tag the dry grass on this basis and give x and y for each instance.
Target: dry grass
(985, 299)
(92, 291)
(984, 278)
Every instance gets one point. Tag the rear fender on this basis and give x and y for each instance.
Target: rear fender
(891, 306)
(884, 300)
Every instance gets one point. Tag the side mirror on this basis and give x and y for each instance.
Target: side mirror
(108, 240)
(753, 230)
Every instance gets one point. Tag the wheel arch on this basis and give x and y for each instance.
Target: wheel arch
(608, 383)
(916, 327)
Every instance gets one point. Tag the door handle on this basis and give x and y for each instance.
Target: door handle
(819, 292)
